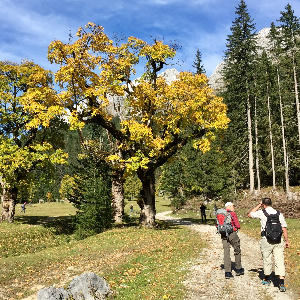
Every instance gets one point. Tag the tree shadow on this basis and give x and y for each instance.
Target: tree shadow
(58, 225)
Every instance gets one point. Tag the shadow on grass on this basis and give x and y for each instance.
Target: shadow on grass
(58, 225)
(64, 224)
(210, 222)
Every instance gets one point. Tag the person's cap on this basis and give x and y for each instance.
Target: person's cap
(228, 204)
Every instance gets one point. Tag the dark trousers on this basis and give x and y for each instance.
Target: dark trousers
(234, 241)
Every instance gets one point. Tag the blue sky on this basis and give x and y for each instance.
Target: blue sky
(28, 26)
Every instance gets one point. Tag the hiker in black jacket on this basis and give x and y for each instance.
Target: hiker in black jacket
(267, 247)
(203, 213)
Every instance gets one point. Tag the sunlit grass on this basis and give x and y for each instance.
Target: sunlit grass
(47, 209)
(137, 263)
(161, 204)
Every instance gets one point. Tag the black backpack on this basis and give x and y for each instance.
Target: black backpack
(273, 229)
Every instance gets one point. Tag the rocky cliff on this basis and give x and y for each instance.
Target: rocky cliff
(215, 80)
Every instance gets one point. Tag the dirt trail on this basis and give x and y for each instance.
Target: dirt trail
(207, 278)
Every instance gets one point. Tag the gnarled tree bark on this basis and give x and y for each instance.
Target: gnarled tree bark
(8, 202)
(147, 203)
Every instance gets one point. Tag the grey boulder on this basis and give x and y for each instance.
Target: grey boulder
(87, 286)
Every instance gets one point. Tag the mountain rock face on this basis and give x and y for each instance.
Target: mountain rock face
(215, 80)
(169, 75)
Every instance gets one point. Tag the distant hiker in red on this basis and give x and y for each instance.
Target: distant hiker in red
(227, 224)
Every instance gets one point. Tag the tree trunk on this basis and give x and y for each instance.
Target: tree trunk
(117, 190)
(250, 145)
(296, 96)
(256, 149)
(147, 203)
(271, 139)
(8, 203)
(285, 157)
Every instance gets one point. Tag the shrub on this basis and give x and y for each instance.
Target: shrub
(95, 211)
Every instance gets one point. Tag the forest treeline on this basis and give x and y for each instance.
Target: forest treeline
(61, 139)
(260, 148)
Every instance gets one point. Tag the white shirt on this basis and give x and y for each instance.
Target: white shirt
(263, 219)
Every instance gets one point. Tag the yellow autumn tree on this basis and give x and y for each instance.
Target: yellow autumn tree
(160, 117)
(22, 146)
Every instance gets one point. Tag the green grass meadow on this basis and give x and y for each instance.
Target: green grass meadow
(138, 263)
(39, 250)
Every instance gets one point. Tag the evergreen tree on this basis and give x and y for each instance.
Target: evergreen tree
(267, 110)
(198, 63)
(192, 173)
(239, 71)
(279, 62)
(290, 31)
(92, 197)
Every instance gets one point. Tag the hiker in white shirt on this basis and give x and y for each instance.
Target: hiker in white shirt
(268, 248)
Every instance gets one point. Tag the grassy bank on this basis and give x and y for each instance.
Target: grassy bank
(138, 263)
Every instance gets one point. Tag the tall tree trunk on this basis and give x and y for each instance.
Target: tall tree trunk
(285, 157)
(271, 139)
(117, 190)
(250, 144)
(296, 95)
(256, 149)
(8, 202)
(147, 203)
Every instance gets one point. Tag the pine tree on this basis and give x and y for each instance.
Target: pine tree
(290, 29)
(211, 177)
(239, 78)
(266, 80)
(198, 63)
(276, 53)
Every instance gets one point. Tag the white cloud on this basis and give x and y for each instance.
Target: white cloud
(29, 22)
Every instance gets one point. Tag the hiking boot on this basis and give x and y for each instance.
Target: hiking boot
(228, 275)
(266, 282)
(239, 272)
(282, 288)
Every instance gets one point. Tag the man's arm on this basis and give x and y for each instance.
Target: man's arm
(285, 235)
(256, 208)
(235, 220)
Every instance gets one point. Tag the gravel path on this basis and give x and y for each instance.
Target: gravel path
(207, 278)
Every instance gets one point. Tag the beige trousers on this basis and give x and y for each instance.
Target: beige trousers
(270, 251)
